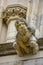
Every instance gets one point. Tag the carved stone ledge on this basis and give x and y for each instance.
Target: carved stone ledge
(40, 42)
(14, 10)
(7, 49)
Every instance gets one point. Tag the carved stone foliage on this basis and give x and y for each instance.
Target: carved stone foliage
(14, 10)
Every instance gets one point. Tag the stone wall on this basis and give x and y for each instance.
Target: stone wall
(25, 3)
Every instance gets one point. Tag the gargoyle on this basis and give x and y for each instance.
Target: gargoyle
(25, 40)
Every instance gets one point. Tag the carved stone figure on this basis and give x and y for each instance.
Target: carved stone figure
(25, 41)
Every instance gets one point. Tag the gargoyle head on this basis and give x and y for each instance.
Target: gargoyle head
(21, 26)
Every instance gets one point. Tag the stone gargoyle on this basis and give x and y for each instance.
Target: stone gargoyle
(25, 40)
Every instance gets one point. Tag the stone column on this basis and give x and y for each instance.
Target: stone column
(2, 7)
(11, 32)
(34, 14)
(28, 14)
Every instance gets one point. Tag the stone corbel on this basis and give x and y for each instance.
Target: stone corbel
(14, 10)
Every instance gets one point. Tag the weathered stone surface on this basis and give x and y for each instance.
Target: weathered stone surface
(10, 15)
(37, 61)
(25, 40)
(13, 11)
(6, 49)
(40, 42)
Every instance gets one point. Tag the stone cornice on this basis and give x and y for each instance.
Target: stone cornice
(8, 49)
(14, 10)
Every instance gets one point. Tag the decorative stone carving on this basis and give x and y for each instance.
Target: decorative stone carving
(10, 15)
(25, 41)
(14, 10)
